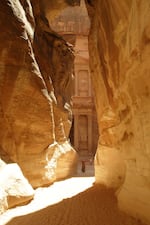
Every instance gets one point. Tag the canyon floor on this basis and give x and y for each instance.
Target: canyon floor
(74, 201)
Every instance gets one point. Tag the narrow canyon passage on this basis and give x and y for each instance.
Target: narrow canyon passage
(74, 94)
(62, 204)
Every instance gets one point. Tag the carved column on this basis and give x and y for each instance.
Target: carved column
(90, 133)
(76, 139)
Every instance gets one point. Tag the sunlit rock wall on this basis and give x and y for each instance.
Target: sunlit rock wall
(36, 67)
(14, 187)
(119, 45)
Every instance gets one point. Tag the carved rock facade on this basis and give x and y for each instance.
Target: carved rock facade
(35, 90)
(73, 24)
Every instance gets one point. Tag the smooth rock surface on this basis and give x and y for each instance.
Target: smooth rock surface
(36, 67)
(36, 85)
(14, 188)
(119, 44)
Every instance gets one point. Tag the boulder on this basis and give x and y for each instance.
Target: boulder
(14, 187)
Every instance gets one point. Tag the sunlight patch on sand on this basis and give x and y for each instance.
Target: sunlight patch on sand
(50, 195)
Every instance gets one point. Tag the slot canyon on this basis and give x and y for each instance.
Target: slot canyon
(75, 112)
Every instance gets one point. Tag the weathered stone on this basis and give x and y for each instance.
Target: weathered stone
(14, 188)
(52, 8)
(34, 109)
(109, 167)
(3, 201)
(35, 90)
(73, 24)
(119, 44)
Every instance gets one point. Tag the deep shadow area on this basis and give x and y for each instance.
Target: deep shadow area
(95, 206)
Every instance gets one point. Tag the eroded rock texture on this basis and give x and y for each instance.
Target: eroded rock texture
(14, 188)
(36, 68)
(119, 45)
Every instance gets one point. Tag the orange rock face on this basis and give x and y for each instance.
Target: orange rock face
(119, 45)
(36, 68)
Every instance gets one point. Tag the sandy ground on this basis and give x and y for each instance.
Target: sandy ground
(75, 201)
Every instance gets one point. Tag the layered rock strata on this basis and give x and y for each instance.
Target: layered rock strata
(119, 44)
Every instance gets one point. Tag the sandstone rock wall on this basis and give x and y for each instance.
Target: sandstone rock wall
(119, 44)
(35, 90)
(14, 188)
(36, 68)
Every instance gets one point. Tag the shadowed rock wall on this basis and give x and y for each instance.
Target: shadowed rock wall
(36, 67)
(35, 90)
(119, 45)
